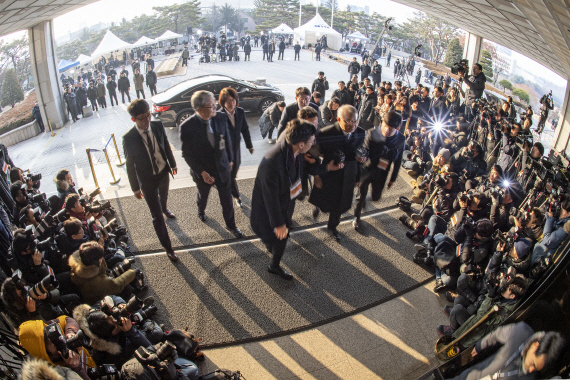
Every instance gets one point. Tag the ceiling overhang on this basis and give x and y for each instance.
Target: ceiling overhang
(538, 29)
(16, 15)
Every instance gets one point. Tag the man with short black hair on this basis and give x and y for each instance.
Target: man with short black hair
(353, 69)
(475, 86)
(302, 99)
(277, 184)
(151, 80)
(320, 85)
(149, 162)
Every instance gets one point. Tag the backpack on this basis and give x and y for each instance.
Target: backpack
(223, 374)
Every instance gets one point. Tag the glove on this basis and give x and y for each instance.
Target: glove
(468, 228)
(492, 288)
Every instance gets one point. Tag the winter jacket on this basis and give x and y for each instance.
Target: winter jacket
(328, 116)
(185, 53)
(366, 113)
(343, 96)
(247, 49)
(101, 92)
(151, 78)
(92, 93)
(297, 48)
(81, 95)
(553, 235)
(93, 281)
(475, 86)
(34, 369)
(509, 154)
(365, 70)
(321, 86)
(32, 338)
(117, 349)
(354, 67)
(112, 87)
(376, 73)
(138, 79)
(124, 84)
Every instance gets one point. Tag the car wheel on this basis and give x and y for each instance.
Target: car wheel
(183, 116)
(265, 104)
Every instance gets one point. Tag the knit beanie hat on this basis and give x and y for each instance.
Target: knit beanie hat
(445, 153)
(522, 247)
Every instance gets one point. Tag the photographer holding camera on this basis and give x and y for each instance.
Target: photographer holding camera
(114, 336)
(505, 295)
(74, 207)
(32, 181)
(89, 274)
(556, 229)
(67, 349)
(469, 162)
(27, 258)
(511, 150)
(425, 184)
(160, 361)
(530, 159)
(436, 216)
(475, 86)
(546, 105)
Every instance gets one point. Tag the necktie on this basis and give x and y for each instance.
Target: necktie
(151, 150)
(210, 132)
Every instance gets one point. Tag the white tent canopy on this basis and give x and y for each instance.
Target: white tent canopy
(283, 29)
(144, 40)
(109, 44)
(358, 36)
(315, 29)
(168, 35)
(83, 59)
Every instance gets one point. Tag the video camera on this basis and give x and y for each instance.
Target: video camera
(45, 286)
(62, 343)
(460, 67)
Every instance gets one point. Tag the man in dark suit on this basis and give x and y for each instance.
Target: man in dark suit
(149, 162)
(277, 184)
(302, 99)
(336, 177)
(207, 149)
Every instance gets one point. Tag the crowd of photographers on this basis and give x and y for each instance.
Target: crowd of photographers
(493, 208)
(69, 289)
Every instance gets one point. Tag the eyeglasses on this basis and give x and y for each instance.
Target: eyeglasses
(146, 116)
(210, 107)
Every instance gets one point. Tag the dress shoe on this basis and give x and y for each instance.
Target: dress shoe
(281, 272)
(316, 212)
(202, 217)
(334, 233)
(169, 214)
(449, 297)
(356, 224)
(447, 309)
(172, 255)
(239, 203)
(236, 232)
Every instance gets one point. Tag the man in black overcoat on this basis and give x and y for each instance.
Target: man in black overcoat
(334, 189)
(207, 149)
(277, 184)
(149, 162)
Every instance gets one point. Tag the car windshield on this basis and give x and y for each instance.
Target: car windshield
(190, 83)
(246, 83)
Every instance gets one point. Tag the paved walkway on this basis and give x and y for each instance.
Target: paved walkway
(391, 341)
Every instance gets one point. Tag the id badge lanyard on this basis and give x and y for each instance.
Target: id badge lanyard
(296, 186)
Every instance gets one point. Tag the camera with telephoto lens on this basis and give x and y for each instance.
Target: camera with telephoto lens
(466, 197)
(40, 199)
(503, 278)
(507, 238)
(45, 286)
(104, 372)
(144, 314)
(109, 308)
(97, 207)
(165, 352)
(540, 267)
(460, 67)
(34, 177)
(440, 180)
(522, 215)
(62, 343)
(111, 227)
(121, 268)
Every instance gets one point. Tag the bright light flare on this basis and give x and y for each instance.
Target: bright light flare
(506, 184)
(437, 127)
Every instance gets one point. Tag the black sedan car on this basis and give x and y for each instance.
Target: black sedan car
(173, 106)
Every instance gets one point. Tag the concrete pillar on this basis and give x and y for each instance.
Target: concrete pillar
(562, 133)
(44, 70)
(472, 49)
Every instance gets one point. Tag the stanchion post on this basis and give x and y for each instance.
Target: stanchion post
(92, 168)
(119, 161)
(115, 180)
(50, 128)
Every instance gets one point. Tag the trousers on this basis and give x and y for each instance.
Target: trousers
(152, 88)
(297, 56)
(141, 92)
(225, 194)
(277, 249)
(281, 54)
(156, 195)
(376, 179)
(123, 93)
(111, 96)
